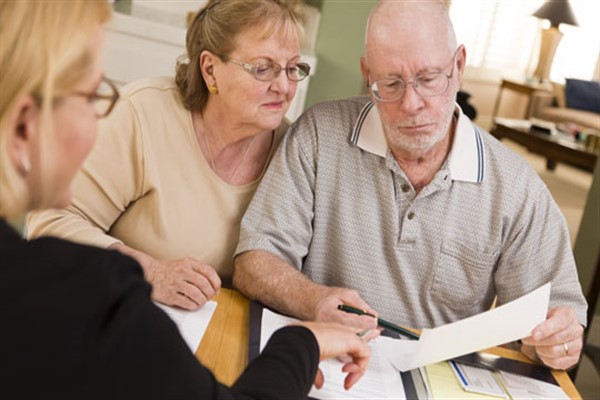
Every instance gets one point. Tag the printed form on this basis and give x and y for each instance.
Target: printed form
(381, 380)
(503, 324)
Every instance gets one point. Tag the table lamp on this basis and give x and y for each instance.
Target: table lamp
(557, 12)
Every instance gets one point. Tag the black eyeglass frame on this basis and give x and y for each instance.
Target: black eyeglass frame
(92, 97)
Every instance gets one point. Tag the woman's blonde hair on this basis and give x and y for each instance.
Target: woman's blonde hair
(215, 29)
(45, 50)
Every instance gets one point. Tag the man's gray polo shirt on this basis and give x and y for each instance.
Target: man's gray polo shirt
(335, 204)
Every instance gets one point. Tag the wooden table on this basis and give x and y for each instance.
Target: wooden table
(524, 88)
(561, 377)
(555, 148)
(224, 348)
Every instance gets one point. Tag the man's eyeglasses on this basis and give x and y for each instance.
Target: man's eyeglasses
(104, 99)
(267, 72)
(428, 84)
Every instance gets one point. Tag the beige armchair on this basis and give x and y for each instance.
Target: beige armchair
(553, 107)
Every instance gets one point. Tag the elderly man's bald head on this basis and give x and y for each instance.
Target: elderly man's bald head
(409, 23)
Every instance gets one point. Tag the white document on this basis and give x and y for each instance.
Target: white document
(523, 387)
(192, 324)
(477, 380)
(270, 322)
(500, 325)
(380, 381)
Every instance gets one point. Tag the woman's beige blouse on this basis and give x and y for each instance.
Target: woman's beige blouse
(147, 184)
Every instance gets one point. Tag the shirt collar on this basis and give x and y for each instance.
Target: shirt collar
(465, 161)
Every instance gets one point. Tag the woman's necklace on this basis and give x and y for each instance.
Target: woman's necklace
(237, 166)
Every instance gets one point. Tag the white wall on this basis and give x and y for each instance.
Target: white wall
(138, 48)
(170, 12)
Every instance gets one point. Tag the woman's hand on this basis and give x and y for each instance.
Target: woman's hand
(186, 283)
(344, 343)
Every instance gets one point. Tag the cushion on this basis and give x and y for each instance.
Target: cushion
(583, 95)
(584, 119)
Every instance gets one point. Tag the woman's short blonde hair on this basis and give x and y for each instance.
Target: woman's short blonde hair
(45, 51)
(215, 29)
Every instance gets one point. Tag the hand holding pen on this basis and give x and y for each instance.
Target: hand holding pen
(326, 309)
(380, 322)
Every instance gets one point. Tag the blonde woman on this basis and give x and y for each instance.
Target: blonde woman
(77, 321)
(180, 158)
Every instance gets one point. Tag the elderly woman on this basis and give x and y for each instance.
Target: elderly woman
(179, 160)
(77, 321)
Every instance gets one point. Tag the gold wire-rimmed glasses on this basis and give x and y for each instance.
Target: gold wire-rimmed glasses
(426, 84)
(295, 71)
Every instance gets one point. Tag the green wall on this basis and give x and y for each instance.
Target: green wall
(315, 3)
(340, 44)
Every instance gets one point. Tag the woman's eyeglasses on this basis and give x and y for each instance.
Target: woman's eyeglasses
(295, 71)
(104, 99)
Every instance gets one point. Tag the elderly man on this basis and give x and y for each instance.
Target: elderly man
(398, 202)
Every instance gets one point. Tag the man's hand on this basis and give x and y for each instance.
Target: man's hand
(343, 343)
(185, 283)
(327, 309)
(557, 341)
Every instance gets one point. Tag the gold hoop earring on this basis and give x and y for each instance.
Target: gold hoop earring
(213, 89)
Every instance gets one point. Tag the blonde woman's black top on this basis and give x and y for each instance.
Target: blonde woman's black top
(77, 322)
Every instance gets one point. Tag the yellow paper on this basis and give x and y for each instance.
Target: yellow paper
(444, 384)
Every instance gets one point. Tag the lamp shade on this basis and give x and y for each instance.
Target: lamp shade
(557, 12)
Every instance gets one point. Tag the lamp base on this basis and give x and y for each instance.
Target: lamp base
(550, 39)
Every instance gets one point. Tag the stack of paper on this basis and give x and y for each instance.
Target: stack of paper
(503, 324)
(192, 324)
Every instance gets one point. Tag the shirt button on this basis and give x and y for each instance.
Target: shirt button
(405, 188)
(410, 215)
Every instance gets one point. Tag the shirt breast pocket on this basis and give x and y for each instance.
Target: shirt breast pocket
(462, 277)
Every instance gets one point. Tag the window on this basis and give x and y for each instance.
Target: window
(503, 37)
(578, 53)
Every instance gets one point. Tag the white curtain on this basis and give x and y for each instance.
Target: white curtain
(502, 38)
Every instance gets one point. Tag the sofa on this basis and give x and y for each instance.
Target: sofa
(576, 102)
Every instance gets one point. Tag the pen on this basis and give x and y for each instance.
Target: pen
(363, 333)
(380, 322)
